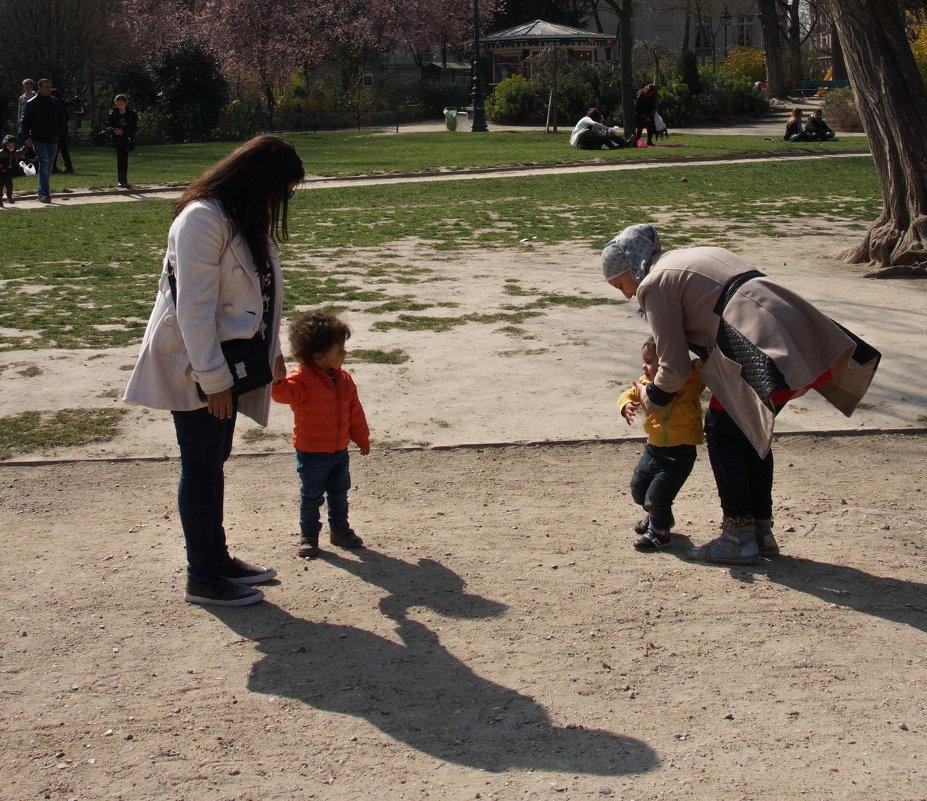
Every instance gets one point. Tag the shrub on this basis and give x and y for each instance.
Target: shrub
(687, 68)
(839, 109)
(517, 100)
(919, 46)
(191, 91)
(744, 63)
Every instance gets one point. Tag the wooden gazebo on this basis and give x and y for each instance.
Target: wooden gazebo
(509, 50)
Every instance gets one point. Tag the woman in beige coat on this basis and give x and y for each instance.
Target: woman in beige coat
(221, 281)
(761, 345)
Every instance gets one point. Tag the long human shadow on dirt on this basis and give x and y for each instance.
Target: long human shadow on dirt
(889, 598)
(881, 596)
(416, 691)
(426, 583)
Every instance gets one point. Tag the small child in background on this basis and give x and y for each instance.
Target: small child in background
(9, 156)
(669, 453)
(327, 415)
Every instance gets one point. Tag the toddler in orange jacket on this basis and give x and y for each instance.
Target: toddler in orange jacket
(327, 415)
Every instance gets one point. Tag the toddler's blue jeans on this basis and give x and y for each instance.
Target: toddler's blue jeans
(322, 476)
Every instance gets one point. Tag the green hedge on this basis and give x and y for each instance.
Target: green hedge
(518, 100)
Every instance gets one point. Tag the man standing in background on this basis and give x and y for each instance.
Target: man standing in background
(43, 124)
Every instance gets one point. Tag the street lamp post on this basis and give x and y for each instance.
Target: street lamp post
(725, 21)
(479, 113)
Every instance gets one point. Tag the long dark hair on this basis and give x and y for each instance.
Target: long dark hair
(252, 183)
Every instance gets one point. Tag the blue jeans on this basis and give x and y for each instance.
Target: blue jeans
(45, 153)
(657, 479)
(744, 479)
(322, 475)
(205, 444)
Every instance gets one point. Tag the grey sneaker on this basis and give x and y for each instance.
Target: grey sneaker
(735, 546)
(766, 544)
(221, 592)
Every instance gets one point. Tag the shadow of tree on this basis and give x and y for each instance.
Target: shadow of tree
(416, 691)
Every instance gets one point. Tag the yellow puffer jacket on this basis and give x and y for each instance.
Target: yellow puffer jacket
(680, 422)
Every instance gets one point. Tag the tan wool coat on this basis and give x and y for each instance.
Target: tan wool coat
(679, 294)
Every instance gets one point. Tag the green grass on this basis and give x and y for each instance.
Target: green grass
(344, 153)
(32, 431)
(373, 356)
(85, 276)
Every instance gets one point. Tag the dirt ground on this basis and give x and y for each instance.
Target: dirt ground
(499, 638)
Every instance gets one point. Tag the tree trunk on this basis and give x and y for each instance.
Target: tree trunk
(892, 102)
(837, 64)
(795, 70)
(769, 21)
(627, 70)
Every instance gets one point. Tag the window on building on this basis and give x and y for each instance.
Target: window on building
(703, 43)
(505, 66)
(743, 30)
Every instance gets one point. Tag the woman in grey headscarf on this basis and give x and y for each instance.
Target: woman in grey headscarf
(762, 345)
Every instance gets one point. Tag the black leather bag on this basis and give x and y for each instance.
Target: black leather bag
(247, 358)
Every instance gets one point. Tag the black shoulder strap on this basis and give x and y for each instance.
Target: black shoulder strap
(172, 282)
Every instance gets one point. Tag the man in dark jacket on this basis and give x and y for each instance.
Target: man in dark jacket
(43, 124)
(817, 130)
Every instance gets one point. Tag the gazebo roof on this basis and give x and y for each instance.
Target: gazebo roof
(540, 32)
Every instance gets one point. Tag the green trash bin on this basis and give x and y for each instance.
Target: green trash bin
(450, 117)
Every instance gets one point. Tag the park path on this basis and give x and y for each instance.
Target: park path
(323, 182)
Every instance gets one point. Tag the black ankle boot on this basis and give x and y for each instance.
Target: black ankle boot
(309, 545)
(344, 536)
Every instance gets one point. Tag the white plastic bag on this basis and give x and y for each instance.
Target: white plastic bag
(658, 123)
(28, 169)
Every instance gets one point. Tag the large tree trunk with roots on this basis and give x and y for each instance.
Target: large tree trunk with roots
(892, 103)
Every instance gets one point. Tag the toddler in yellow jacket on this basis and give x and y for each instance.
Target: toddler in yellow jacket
(669, 454)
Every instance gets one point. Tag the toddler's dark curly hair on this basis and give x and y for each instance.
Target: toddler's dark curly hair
(316, 333)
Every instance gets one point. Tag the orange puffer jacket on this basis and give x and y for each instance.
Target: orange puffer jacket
(326, 410)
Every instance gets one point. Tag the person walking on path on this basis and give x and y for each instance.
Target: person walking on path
(761, 345)
(221, 281)
(27, 95)
(121, 127)
(63, 149)
(43, 124)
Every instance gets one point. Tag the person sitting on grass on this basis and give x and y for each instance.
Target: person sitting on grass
(817, 130)
(591, 133)
(794, 130)
(668, 457)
